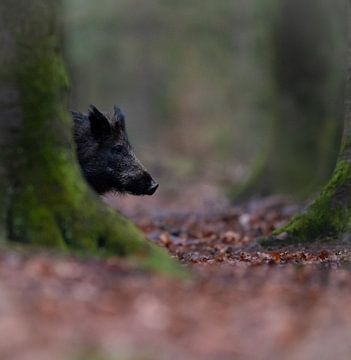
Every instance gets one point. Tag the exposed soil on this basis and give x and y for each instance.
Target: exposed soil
(243, 302)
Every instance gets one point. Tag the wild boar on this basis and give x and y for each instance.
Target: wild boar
(105, 155)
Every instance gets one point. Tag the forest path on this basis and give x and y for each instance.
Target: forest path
(243, 302)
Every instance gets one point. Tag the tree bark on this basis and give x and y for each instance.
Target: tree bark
(306, 77)
(43, 198)
(330, 214)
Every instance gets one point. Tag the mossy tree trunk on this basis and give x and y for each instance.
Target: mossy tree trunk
(330, 214)
(306, 80)
(44, 200)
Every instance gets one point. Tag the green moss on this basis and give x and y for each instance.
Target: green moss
(330, 213)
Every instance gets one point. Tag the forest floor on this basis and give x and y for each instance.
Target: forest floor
(243, 301)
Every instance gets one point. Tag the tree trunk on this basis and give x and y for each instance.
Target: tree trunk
(330, 214)
(43, 198)
(306, 76)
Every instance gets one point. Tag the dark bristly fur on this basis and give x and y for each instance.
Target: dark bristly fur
(106, 156)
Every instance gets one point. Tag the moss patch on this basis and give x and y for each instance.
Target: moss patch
(329, 214)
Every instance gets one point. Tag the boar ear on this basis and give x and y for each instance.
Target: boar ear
(99, 125)
(119, 116)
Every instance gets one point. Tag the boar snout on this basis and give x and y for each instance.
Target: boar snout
(152, 189)
(146, 185)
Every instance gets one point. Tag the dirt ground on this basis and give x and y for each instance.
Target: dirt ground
(243, 301)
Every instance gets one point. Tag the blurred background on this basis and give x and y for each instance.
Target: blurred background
(225, 101)
(244, 96)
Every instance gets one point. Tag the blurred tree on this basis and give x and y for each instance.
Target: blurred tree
(178, 71)
(43, 198)
(330, 213)
(306, 77)
(217, 70)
